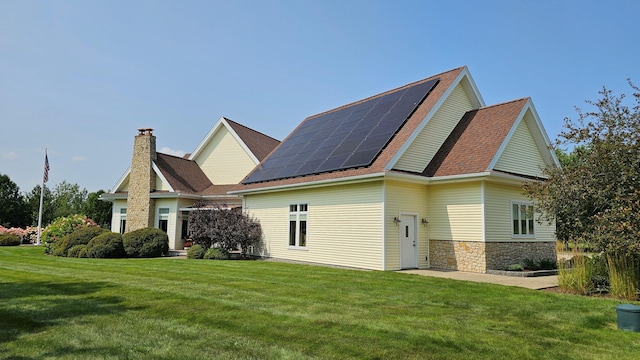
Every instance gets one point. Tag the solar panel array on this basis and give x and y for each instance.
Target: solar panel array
(350, 137)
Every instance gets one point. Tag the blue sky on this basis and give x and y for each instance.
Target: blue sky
(79, 77)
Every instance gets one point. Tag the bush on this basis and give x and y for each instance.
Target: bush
(195, 252)
(547, 264)
(81, 236)
(78, 251)
(515, 267)
(9, 240)
(530, 264)
(576, 275)
(106, 245)
(624, 276)
(216, 254)
(62, 227)
(145, 243)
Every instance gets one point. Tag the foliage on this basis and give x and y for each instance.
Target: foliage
(13, 208)
(575, 276)
(624, 276)
(78, 251)
(9, 240)
(98, 210)
(216, 254)
(596, 197)
(214, 225)
(195, 252)
(169, 309)
(80, 236)
(145, 243)
(68, 199)
(515, 267)
(530, 264)
(547, 264)
(106, 245)
(32, 199)
(62, 227)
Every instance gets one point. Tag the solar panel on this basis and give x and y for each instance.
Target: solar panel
(349, 137)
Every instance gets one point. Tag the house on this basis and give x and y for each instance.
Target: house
(422, 176)
(159, 189)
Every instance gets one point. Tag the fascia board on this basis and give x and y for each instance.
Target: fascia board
(206, 139)
(122, 179)
(156, 169)
(239, 140)
(313, 184)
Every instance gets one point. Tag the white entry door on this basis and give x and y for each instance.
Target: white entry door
(408, 245)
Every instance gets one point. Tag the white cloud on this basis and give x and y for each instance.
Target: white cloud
(78, 158)
(9, 155)
(170, 151)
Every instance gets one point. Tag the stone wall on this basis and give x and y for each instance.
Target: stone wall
(477, 256)
(502, 254)
(142, 181)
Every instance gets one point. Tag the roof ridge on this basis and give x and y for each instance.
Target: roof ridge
(248, 128)
(383, 93)
(504, 103)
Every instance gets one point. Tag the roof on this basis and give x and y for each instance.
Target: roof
(379, 165)
(183, 175)
(476, 140)
(259, 144)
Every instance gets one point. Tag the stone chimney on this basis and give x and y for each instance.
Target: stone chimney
(142, 182)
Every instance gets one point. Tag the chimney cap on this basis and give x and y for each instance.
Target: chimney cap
(145, 131)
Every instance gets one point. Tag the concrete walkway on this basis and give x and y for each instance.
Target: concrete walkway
(540, 282)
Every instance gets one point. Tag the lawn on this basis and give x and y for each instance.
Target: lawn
(54, 307)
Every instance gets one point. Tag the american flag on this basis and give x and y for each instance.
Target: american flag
(46, 168)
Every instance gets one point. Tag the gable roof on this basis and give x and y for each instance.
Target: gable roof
(473, 144)
(182, 175)
(379, 165)
(256, 144)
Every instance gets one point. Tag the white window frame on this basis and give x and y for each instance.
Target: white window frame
(298, 213)
(162, 215)
(528, 212)
(123, 217)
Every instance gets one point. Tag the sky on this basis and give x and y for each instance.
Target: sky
(78, 78)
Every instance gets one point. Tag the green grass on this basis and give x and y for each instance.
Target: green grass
(54, 307)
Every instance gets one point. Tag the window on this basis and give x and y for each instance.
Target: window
(522, 219)
(123, 220)
(185, 225)
(298, 225)
(163, 219)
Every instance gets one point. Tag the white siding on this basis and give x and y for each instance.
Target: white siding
(426, 144)
(456, 212)
(160, 185)
(115, 214)
(410, 199)
(224, 160)
(344, 224)
(521, 155)
(498, 199)
(172, 204)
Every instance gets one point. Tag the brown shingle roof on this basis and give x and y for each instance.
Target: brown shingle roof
(183, 175)
(259, 144)
(475, 141)
(446, 80)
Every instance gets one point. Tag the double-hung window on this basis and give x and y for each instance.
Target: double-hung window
(522, 219)
(163, 219)
(298, 225)
(123, 220)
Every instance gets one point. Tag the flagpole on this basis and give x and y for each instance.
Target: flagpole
(45, 177)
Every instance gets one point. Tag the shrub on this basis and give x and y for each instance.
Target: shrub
(547, 264)
(106, 245)
(575, 275)
(530, 264)
(9, 240)
(145, 243)
(624, 275)
(78, 251)
(81, 236)
(216, 254)
(195, 252)
(515, 267)
(62, 227)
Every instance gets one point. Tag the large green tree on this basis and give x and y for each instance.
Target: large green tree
(595, 198)
(32, 199)
(13, 209)
(98, 210)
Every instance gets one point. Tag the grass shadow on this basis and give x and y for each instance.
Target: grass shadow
(31, 307)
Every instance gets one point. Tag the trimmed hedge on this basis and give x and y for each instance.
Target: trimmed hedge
(195, 252)
(216, 254)
(78, 251)
(107, 245)
(80, 236)
(9, 240)
(145, 243)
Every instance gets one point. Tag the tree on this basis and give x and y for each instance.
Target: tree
(98, 210)
(230, 229)
(13, 208)
(68, 199)
(595, 198)
(32, 200)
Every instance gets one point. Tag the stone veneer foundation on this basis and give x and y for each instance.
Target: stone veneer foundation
(142, 181)
(478, 256)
